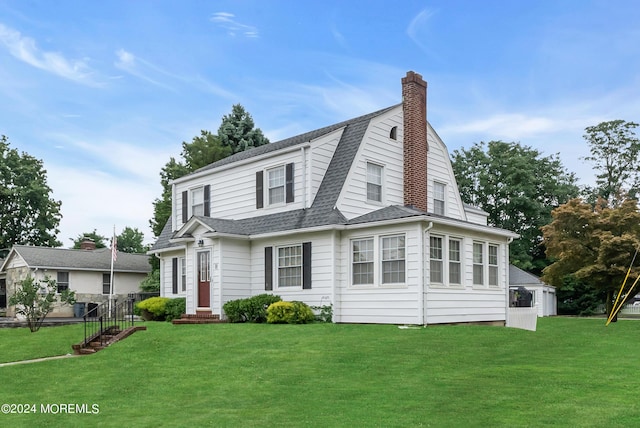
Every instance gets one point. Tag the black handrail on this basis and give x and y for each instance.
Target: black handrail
(108, 318)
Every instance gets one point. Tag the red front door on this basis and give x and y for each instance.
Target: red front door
(204, 279)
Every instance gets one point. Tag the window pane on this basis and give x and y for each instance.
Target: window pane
(362, 254)
(477, 253)
(290, 266)
(436, 271)
(197, 201)
(493, 275)
(106, 283)
(454, 250)
(374, 182)
(454, 273)
(438, 198)
(276, 185)
(393, 263)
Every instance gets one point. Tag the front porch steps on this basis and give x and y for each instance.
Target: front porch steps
(109, 337)
(198, 319)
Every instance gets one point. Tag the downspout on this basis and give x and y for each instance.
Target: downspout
(304, 176)
(422, 294)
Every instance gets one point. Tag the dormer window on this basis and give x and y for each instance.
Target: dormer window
(374, 182)
(276, 185)
(439, 191)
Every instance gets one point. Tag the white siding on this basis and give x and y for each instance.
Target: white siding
(439, 169)
(376, 147)
(380, 303)
(322, 277)
(235, 270)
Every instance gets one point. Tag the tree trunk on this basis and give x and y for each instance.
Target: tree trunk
(610, 306)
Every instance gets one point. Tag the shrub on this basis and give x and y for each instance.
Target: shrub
(324, 314)
(252, 309)
(289, 313)
(153, 308)
(175, 308)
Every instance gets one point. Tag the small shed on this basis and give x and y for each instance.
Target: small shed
(544, 295)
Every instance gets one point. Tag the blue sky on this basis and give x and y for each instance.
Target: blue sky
(105, 92)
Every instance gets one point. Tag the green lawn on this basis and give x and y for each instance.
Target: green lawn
(571, 372)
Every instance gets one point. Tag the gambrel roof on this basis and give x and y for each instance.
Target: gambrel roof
(87, 260)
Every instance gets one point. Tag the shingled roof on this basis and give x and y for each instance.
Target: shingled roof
(518, 276)
(90, 260)
(322, 212)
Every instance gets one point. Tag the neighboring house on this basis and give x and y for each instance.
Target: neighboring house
(3, 288)
(544, 295)
(364, 215)
(86, 271)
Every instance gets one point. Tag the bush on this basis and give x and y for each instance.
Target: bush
(253, 309)
(175, 308)
(289, 313)
(153, 308)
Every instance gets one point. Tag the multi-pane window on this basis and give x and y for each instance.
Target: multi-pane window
(276, 179)
(455, 270)
(374, 182)
(290, 266)
(478, 263)
(197, 201)
(438, 198)
(393, 259)
(183, 274)
(362, 252)
(63, 281)
(106, 283)
(493, 265)
(435, 255)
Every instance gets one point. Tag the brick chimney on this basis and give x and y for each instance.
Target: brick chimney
(87, 244)
(414, 108)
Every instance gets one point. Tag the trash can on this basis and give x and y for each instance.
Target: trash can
(92, 310)
(78, 309)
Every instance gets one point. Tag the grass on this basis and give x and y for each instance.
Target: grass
(571, 372)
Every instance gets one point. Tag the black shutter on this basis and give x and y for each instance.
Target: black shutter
(185, 206)
(268, 268)
(289, 183)
(207, 201)
(306, 265)
(174, 275)
(259, 190)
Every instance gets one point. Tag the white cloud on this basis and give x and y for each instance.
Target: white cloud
(140, 68)
(228, 22)
(25, 49)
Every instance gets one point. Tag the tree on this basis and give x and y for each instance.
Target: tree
(99, 240)
(34, 299)
(615, 152)
(28, 214)
(237, 131)
(593, 244)
(131, 241)
(518, 187)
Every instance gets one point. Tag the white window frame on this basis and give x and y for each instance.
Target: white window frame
(493, 262)
(453, 261)
(478, 264)
(289, 266)
(390, 256)
(381, 257)
(182, 267)
(196, 207)
(363, 257)
(273, 185)
(439, 198)
(436, 259)
(376, 180)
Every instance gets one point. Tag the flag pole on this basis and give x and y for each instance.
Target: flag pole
(114, 252)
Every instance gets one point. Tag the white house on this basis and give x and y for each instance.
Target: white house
(86, 271)
(364, 215)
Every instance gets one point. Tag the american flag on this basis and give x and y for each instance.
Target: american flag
(114, 248)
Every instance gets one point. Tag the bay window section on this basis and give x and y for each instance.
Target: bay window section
(493, 265)
(455, 270)
(393, 259)
(362, 265)
(478, 263)
(435, 255)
